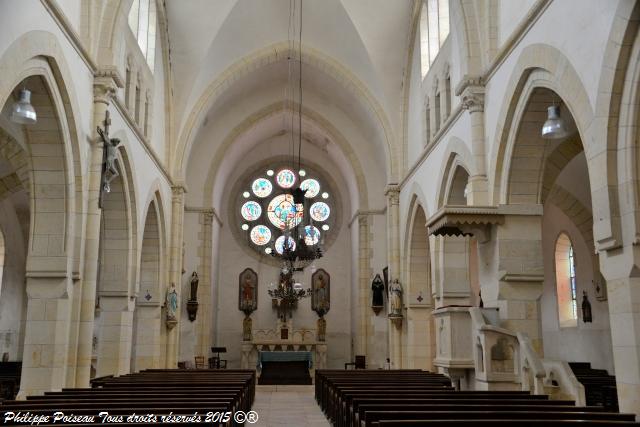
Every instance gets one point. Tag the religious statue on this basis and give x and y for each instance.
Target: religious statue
(586, 309)
(246, 328)
(194, 286)
(322, 329)
(172, 306)
(320, 284)
(247, 295)
(109, 155)
(192, 304)
(395, 298)
(377, 286)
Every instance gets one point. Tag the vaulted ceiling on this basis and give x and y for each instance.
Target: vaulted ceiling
(363, 45)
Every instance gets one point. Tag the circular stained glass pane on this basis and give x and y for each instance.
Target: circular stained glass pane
(319, 211)
(282, 212)
(286, 178)
(311, 235)
(251, 210)
(280, 244)
(311, 186)
(260, 235)
(262, 187)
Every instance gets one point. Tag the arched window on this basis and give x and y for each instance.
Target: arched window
(142, 20)
(266, 208)
(566, 282)
(434, 29)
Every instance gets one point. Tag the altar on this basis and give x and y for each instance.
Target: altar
(284, 367)
(297, 347)
(285, 356)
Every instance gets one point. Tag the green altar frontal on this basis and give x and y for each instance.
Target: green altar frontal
(285, 356)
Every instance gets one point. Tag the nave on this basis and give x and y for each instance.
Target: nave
(360, 398)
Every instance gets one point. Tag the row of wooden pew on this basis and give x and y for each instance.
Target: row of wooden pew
(408, 398)
(156, 391)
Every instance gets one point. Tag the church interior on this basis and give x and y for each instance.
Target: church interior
(320, 212)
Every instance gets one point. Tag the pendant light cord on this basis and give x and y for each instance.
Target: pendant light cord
(300, 92)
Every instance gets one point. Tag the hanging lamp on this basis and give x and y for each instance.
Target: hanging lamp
(555, 126)
(22, 111)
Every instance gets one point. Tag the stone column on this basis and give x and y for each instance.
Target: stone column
(364, 284)
(472, 92)
(114, 348)
(176, 265)
(620, 268)
(46, 341)
(393, 257)
(205, 315)
(104, 89)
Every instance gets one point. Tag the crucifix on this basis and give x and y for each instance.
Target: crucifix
(109, 151)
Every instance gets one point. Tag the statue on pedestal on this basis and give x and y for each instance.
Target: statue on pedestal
(395, 298)
(172, 306)
(194, 286)
(322, 329)
(320, 296)
(247, 295)
(377, 287)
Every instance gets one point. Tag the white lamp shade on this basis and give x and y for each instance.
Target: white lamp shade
(555, 127)
(23, 111)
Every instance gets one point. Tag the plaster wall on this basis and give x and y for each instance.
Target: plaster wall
(510, 14)
(587, 342)
(233, 258)
(158, 106)
(584, 53)
(72, 9)
(248, 100)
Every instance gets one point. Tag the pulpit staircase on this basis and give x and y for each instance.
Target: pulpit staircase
(599, 386)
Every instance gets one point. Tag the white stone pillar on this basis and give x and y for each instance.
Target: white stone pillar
(44, 363)
(472, 92)
(103, 90)
(116, 331)
(620, 267)
(176, 265)
(364, 327)
(205, 315)
(146, 343)
(393, 257)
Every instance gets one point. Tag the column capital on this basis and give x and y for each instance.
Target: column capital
(363, 220)
(392, 191)
(471, 90)
(207, 216)
(178, 190)
(106, 81)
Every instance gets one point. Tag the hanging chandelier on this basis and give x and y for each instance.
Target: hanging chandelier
(297, 253)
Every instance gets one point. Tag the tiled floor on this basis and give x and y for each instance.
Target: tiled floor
(288, 405)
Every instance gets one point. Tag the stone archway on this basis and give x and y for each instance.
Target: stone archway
(115, 293)
(147, 319)
(420, 332)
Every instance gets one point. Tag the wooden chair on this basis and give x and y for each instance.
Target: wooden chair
(360, 363)
(199, 360)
